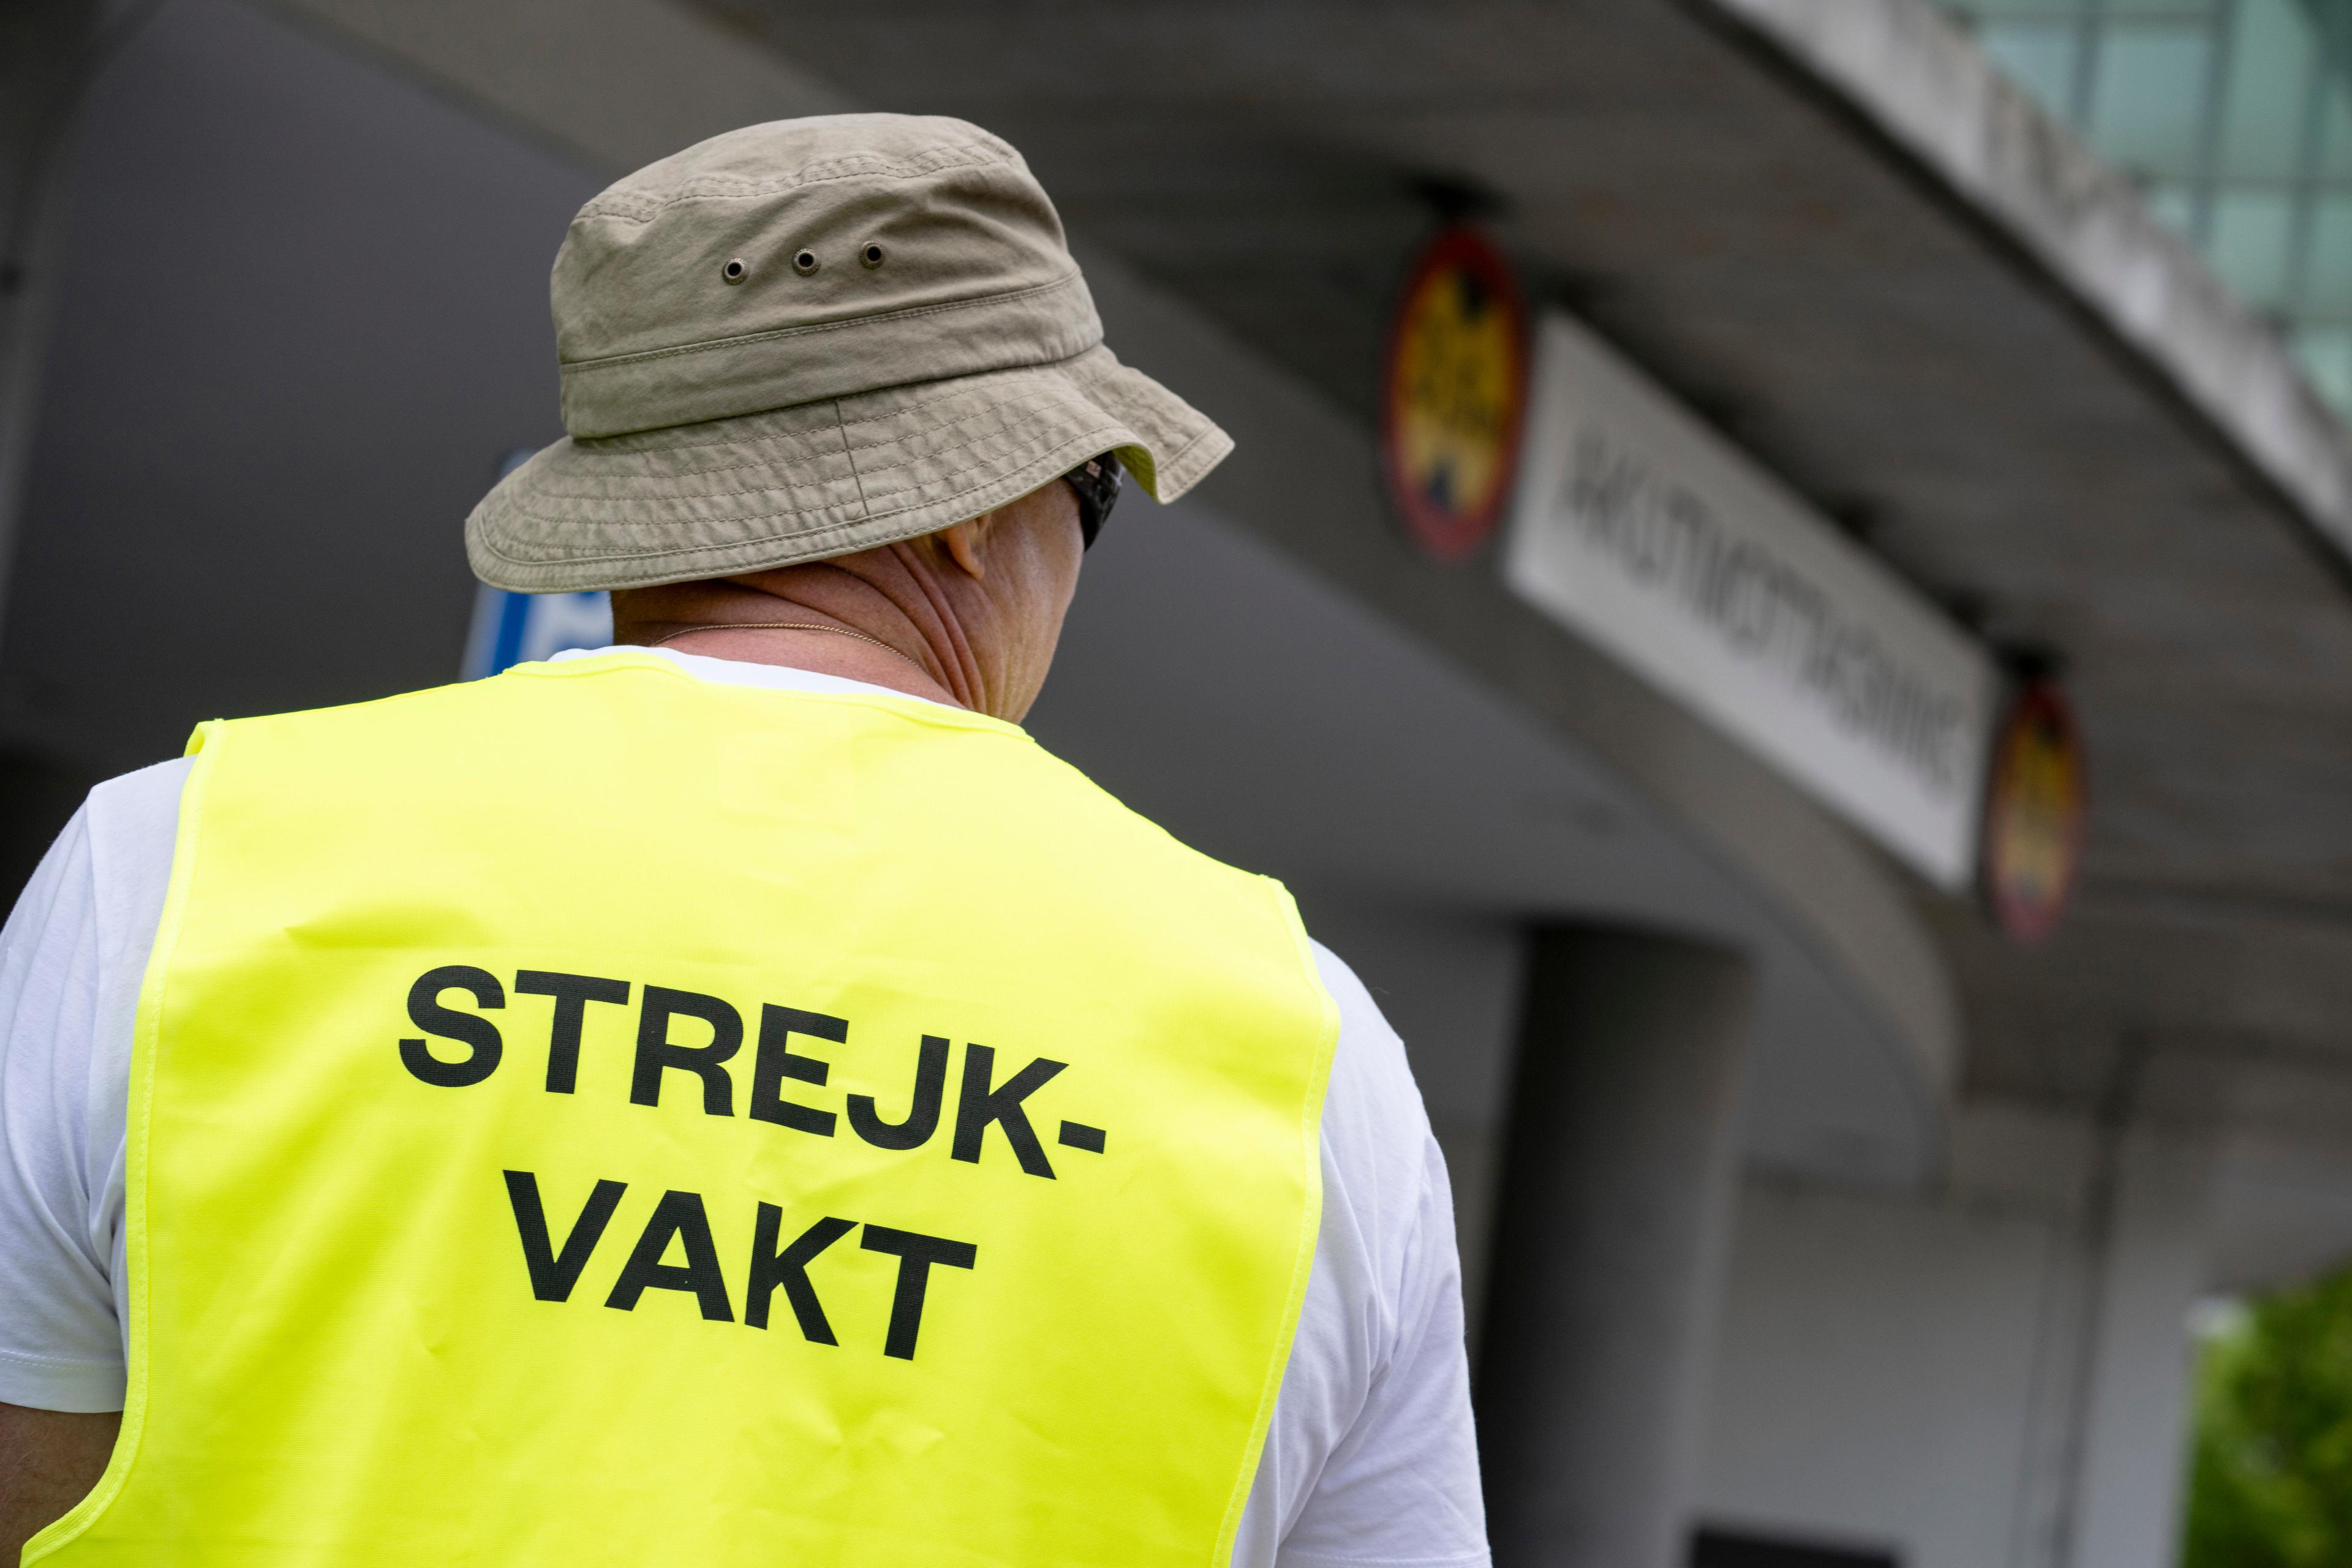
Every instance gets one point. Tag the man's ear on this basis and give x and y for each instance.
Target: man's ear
(963, 540)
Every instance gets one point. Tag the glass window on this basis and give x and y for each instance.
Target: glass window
(2234, 117)
(2336, 133)
(2039, 56)
(2250, 231)
(2146, 76)
(2327, 356)
(2327, 262)
(2064, 11)
(2174, 202)
(2262, 111)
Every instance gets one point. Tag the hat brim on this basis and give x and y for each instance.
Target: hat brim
(825, 479)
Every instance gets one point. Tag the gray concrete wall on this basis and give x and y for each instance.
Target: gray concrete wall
(50, 49)
(2136, 1436)
(1876, 1377)
(1909, 1373)
(1614, 1216)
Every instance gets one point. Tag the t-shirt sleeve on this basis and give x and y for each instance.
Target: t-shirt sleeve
(60, 1341)
(1400, 1489)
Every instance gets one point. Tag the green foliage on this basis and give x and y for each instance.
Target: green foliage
(2271, 1486)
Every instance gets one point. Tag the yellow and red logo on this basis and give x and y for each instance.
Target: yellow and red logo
(1455, 393)
(2036, 802)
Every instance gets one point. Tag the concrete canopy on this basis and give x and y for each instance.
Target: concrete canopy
(1956, 352)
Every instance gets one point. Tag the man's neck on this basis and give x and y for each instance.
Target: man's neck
(841, 652)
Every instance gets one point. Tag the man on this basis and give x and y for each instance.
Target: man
(729, 1098)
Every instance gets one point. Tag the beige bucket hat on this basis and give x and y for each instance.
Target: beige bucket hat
(813, 337)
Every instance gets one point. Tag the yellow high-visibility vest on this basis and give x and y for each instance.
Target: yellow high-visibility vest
(596, 1116)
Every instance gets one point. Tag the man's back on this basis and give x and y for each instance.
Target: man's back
(510, 1236)
(1337, 1458)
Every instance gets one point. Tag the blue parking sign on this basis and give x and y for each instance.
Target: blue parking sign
(516, 628)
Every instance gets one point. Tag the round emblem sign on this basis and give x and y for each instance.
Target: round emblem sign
(1455, 393)
(2034, 807)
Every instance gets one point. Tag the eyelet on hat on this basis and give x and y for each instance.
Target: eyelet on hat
(871, 255)
(804, 263)
(735, 271)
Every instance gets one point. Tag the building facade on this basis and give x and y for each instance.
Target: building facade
(1802, 1211)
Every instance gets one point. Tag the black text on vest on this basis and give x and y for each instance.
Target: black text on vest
(688, 1043)
(679, 1222)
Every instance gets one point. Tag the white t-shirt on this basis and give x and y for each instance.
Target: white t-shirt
(1371, 1458)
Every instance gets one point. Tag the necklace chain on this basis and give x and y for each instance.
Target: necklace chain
(789, 626)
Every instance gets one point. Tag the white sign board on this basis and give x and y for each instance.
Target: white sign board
(1647, 533)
